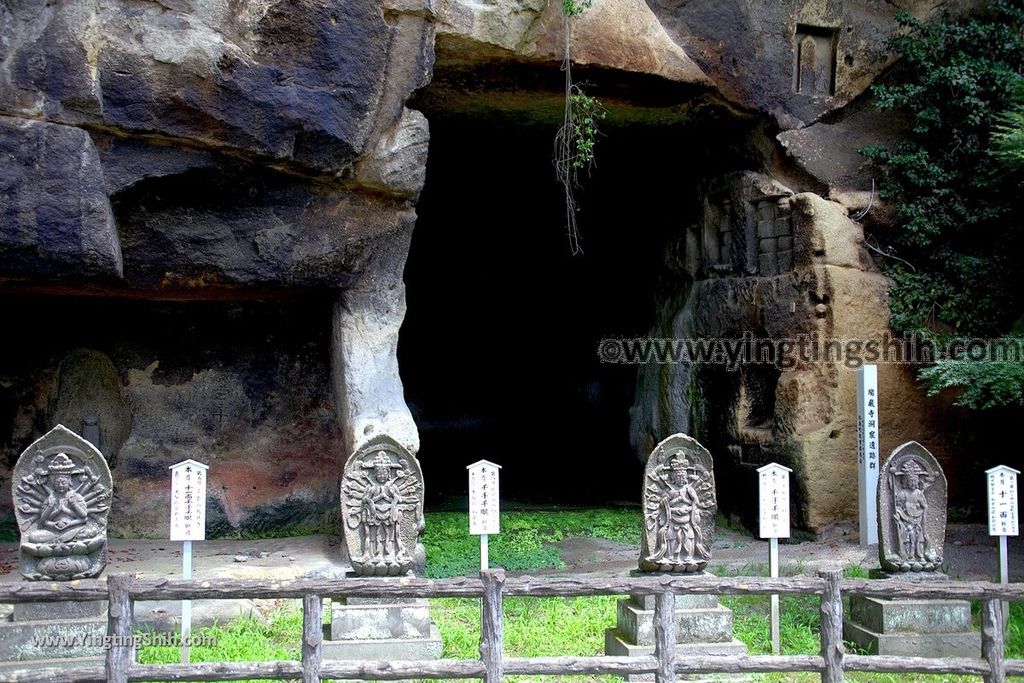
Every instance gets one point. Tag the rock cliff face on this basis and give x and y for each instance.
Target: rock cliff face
(206, 208)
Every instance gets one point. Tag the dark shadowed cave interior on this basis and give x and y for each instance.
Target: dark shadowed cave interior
(499, 348)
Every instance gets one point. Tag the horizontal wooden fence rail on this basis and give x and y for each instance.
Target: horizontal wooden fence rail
(122, 591)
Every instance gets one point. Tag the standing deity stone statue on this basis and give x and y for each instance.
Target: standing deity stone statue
(911, 511)
(382, 508)
(679, 507)
(62, 490)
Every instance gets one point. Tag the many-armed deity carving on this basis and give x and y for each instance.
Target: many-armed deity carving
(62, 491)
(679, 507)
(911, 511)
(382, 508)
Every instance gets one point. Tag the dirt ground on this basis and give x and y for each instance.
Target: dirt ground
(970, 553)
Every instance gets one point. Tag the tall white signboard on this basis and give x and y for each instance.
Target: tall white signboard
(867, 452)
(484, 515)
(773, 490)
(188, 523)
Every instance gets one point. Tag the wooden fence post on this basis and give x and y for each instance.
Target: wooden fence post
(832, 627)
(312, 637)
(665, 636)
(992, 640)
(120, 639)
(492, 625)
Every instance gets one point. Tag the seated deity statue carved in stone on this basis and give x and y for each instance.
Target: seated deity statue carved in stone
(62, 497)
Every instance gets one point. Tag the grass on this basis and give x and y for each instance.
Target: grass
(534, 627)
(246, 639)
(526, 539)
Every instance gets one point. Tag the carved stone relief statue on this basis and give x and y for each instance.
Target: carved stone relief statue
(911, 510)
(382, 508)
(62, 490)
(679, 507)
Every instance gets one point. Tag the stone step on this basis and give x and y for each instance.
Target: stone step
(34, 666)
(911, 616)
(380, 621)
(616, 645)
(54, 639)
(704, 625)
(683, 601)
(396, 648)
(965, 644)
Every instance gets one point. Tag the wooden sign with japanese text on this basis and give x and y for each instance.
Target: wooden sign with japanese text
(483, 498)
(188, 501)
(773, 487)
(1002, 501)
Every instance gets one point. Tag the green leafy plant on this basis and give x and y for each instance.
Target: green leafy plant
(999, 381)
(573, 7)
(953, 182)
(575, 140)
(958, 236)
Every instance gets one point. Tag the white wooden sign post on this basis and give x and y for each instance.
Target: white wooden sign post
(867, 452)
(773, 490)
(188, 523)
(484, 516)
(1002, 516)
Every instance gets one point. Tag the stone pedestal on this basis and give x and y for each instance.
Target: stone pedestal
(39, 635)
(703, 627)
(912, 628)
(373, 628)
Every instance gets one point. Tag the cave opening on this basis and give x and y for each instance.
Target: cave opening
(498, 352)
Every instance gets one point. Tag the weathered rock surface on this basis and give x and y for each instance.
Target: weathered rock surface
(242, 387)
(303, 82)
(797, 411)
(55, 218)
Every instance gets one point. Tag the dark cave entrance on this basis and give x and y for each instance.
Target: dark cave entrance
(499, 348)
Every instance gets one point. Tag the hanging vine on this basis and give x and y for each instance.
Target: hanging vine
(575, 140)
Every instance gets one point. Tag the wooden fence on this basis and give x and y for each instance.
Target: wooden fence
(122, 591)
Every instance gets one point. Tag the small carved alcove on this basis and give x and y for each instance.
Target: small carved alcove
(814, 70)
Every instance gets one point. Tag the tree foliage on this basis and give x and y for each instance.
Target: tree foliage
(955, 182)
(955, 198)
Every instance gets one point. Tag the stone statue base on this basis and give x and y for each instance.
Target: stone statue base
(703, 627)
(53, 634)
(380, 628)
(912, 628)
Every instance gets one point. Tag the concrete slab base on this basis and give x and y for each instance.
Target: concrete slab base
(35, 665)
(616, 645)
(55, 639)
(913, 628)
(391, 648)
(703, 627)
(379, 628)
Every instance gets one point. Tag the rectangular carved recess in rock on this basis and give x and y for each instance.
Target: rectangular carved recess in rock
(814, 69)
